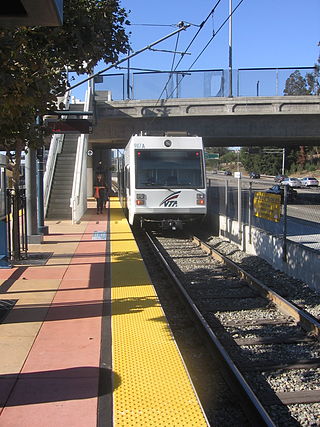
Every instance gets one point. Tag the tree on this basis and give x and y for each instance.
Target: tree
(296, 85)
(34, 63)
(312, 80)
(308, 85)
(254, 159)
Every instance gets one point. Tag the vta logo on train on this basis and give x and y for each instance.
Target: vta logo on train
(171, 200)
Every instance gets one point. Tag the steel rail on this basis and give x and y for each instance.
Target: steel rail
(306, 320)
(249, 401)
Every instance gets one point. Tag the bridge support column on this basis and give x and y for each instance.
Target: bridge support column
(31, 197)
(41, 227)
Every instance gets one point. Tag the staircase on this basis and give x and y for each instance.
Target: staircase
(59, 203)
(61, 190)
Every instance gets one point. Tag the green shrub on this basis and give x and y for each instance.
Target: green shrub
(311, 168)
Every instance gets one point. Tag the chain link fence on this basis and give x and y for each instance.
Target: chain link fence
(300, 216)
(197, 83)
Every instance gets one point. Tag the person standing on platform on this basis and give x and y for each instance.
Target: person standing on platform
(101, 170)
(100, 192)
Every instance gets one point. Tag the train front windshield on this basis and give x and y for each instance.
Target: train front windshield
(169, 168)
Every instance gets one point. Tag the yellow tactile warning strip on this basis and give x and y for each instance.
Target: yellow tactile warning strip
(151, 384)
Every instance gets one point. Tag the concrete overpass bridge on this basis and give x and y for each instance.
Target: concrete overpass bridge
(234, 121)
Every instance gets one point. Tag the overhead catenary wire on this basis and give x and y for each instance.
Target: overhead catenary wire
(200, 28)
(175, 51)
(206, 46)
(181, 26)
(169, 51)
(150, 70)
(187, 48)
(162, 25)
(153, 25)
(215, 33)
(174, 56)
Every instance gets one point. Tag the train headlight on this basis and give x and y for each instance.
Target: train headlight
(201, 200)
(140, 199)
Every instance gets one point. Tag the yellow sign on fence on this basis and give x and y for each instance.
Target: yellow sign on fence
(267, 206)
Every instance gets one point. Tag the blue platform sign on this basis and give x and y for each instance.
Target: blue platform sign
(99, 235)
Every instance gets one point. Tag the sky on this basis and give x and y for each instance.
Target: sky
(265, 33)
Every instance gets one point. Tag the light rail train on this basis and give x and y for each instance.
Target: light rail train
(162, 180)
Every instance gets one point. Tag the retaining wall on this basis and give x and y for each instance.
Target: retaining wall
(301, 263)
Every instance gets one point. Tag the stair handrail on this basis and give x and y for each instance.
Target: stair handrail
(56, 145)
(78, 200)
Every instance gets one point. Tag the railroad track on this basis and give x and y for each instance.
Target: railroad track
(267, 345)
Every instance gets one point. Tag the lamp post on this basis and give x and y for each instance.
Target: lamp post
(283, 159)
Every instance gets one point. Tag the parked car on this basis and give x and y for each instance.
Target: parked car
(254, 175)
(227, 173)
(278, 189)
(309, 181)
(291, 182)
(279, 178)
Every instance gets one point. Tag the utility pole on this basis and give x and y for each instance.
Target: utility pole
(230, 48)
(277, 151)
(128, 78)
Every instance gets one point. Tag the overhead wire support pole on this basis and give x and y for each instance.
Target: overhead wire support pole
(230, 48)
(213, 36)
(181, 28)
(193, 39)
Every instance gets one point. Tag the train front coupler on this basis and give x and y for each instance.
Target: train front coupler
(171, 224)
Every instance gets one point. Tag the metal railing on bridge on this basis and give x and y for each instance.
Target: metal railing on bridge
(197, 83)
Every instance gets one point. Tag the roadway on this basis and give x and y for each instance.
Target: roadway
(303, 221)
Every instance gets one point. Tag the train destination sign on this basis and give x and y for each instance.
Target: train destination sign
(70, 126)
(267, 206)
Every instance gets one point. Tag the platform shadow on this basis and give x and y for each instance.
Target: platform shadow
(56, 386)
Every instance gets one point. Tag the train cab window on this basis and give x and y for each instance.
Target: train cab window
(172, 180)
(169, 168)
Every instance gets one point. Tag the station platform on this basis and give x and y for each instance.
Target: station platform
(86, 342)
